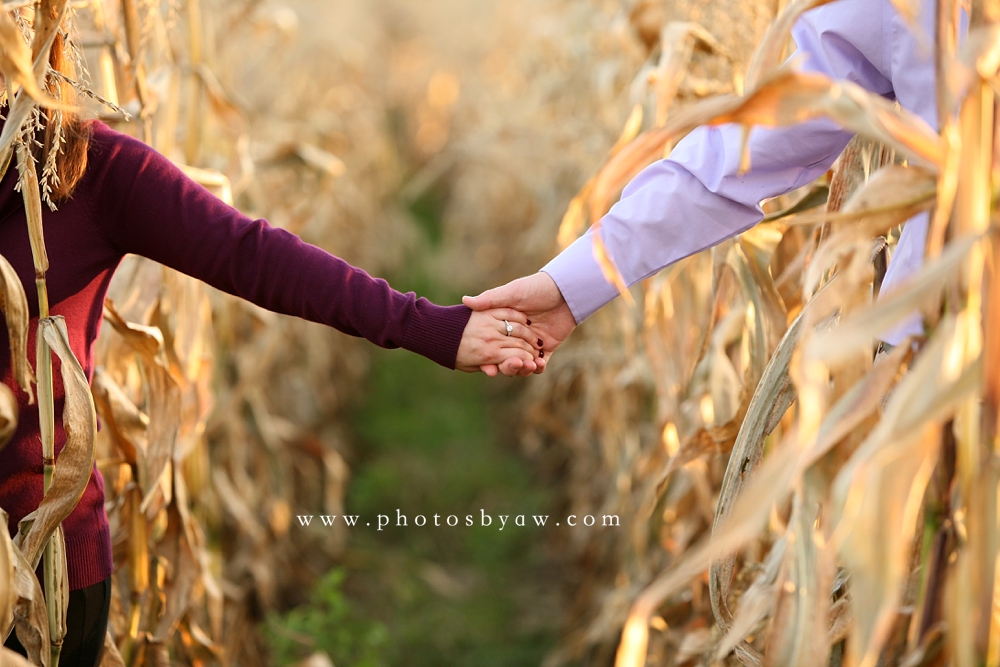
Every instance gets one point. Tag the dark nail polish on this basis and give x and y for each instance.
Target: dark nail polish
(539, 342)
(529, 323)
(541, 353)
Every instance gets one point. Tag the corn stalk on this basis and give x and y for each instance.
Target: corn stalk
(871, 452)
(29, 67)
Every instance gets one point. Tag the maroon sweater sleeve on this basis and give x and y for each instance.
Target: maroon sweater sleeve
(145, 205)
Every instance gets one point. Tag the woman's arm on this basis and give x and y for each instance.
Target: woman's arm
(144, 204)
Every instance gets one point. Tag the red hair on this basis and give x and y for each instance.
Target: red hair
(71, 160)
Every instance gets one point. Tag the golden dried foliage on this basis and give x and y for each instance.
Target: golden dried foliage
(826, 498)
(859, 526)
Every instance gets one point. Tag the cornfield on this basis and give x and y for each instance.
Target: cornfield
(791, 493)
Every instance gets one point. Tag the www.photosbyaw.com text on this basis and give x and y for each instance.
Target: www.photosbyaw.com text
(484, 520)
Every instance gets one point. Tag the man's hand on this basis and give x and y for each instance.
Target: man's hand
(538, 297)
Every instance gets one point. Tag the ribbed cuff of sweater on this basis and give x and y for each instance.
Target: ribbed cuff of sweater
(436, 331)
(88, 557)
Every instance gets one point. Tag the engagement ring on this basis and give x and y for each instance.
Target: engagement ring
(509, 326)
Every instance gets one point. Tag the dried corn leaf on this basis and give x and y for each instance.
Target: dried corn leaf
(908, 9)
(851, 410)
(76, 459)
(14, 304)
(58, 606)
(163, 407)
(816, 196)
(31, 619)
(905, 189)
(16, 65)
(743, 524)
(138, 543)
(574, 221)
(771, 398)
(164, 424)
(791, 97)
(32, 207)
(970, 607)
(111, 657)
(892, 196)
(878, 543)
(840, 620)
(677, 45)
(147, 341)
(50, 13)
(176, 549)
(125, 422)
(895, 462)
(48, 16)
(19, 112)
(768, 54)
(979, 56)
(743, 519)
(765, 318)
(646, 149)
(798, 633)
(755, 605)
(8, 594)
(920, 294)
(856, 405)
(716, 386)
(9, 658)
(629, 132)
(8, 415)
(608, 268)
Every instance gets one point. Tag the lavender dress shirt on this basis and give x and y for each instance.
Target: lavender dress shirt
(696, 198)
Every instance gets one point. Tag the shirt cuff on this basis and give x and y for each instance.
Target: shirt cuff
(580, 279)
(436, 331)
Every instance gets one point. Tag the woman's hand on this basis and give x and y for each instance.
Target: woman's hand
(486, 345)
(539, 298)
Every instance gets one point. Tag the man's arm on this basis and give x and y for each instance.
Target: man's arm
(696, 198)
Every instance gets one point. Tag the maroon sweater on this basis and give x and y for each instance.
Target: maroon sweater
(133, 200)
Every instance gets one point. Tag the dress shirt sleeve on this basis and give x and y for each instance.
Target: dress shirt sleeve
(144, 204)
(696, 198)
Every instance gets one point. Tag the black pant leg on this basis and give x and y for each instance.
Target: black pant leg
(86, 625)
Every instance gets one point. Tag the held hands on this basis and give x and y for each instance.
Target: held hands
(486, 344)
(534, 298)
